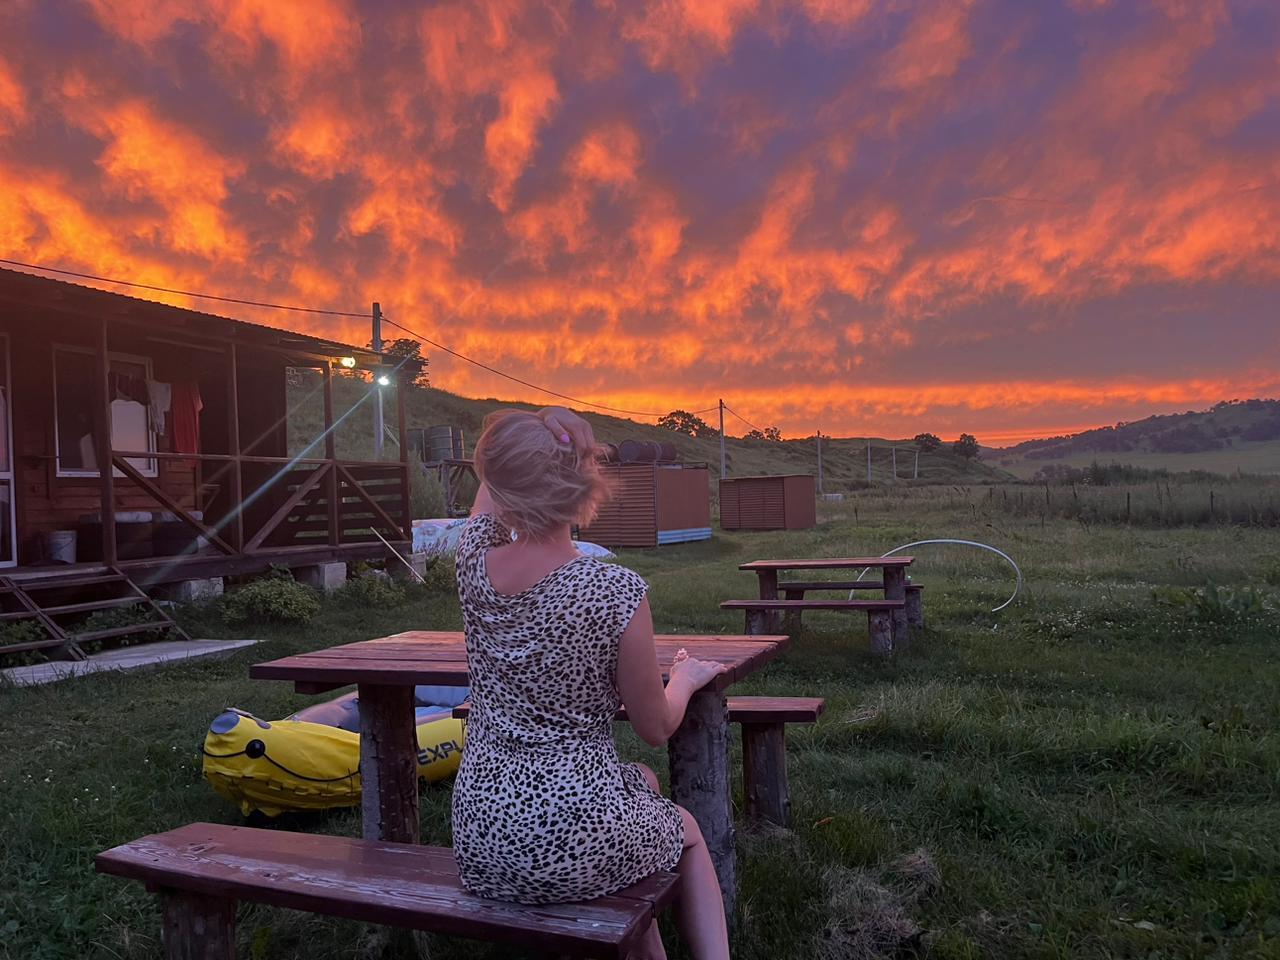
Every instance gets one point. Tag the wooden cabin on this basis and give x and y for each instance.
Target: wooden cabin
(191, 412)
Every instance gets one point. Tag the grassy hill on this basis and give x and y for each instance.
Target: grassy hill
(1233, 436)
(844, 459)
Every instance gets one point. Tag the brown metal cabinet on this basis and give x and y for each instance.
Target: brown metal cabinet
(768, 503)
(653, 504)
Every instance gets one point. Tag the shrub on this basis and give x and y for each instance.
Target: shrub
(1215, 604)
(114, 617)
(426, 494)
(370, 589)
(273, 599)
(21, 631)
(441, 575)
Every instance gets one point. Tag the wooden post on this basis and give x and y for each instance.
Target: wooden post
(895, 588)
(819, 438)
(895, 463)
(699, 764)
(330, 453)
(402, 430)
(791, 620)
(764, 773)
(197, 926)
(388, 763)
(769, 591)
(868, 461)
(376, 344)
(757, 622)
(915, 471)
(722, 456)
(105, 444)
(880, 625)
(233, 442)
(915, 606)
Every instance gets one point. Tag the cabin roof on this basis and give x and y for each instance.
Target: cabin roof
(18, 289)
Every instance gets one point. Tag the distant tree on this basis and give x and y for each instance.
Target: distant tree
(927, 441)
(768, 433)
(682, 421)
(404, 347)
(966, 446)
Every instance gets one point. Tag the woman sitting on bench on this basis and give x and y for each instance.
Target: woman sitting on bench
(544, 811)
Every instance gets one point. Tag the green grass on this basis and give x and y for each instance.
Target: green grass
(1094, 772)
(1260, 457)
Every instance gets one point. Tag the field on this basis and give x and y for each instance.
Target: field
(1259, 457)
(1094, 772)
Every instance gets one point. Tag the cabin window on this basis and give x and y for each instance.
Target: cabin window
(75, 391)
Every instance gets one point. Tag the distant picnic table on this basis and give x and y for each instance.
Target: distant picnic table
(893, 583)
(387, 669)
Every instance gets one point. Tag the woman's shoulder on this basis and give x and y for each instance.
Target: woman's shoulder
(613, 575)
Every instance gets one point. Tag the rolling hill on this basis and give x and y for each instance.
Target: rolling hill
(1232, 436)
(844, 459)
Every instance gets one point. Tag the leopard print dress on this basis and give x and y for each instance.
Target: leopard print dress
(544, 811)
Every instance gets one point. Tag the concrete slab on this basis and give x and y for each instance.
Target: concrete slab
(124, 658)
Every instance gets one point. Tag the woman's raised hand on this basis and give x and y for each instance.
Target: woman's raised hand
(569, 428)
(694, 672)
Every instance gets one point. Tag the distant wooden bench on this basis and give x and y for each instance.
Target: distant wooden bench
(201, 871)
(796, 589)
(759, 614)
(764, 748)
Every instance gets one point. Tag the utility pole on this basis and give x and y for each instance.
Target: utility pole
(915, 473)
(376, 344)
(868, 461)
(722, 460)
(819, 463)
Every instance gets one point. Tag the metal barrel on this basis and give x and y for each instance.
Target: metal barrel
(442, 442)
(645, 451)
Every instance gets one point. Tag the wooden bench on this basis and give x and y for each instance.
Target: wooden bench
(759, 615)
(764, 720)
(202, 870)
(796, 589)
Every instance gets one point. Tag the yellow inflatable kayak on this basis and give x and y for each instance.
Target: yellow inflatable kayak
(299, 764)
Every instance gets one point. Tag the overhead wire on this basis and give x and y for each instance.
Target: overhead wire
(555, 393)
(343, 313)
(743, 419)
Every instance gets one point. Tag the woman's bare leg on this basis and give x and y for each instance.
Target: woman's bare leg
(650, 946)
(700, 907)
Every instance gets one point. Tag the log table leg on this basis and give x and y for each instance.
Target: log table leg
(764, 773)
(791, 622)
(699, 758)
(895, 588)
(769, 591)
(915, 606)
(388, 764)
(880, 624)
(197, 927)
(757, 622)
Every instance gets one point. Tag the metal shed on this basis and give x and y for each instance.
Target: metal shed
(653, 504)
(768, 503)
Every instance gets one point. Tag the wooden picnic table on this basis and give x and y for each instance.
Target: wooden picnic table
(386, 670)
(893, 580)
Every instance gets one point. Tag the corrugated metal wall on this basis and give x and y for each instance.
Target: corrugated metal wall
(630, 518)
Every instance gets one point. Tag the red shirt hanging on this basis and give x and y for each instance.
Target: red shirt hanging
(184, 417)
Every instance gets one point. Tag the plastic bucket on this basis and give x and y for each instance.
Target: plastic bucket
(61, 546)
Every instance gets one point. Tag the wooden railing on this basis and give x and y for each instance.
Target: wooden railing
(252, 504)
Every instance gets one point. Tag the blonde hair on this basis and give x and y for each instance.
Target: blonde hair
(537, 483)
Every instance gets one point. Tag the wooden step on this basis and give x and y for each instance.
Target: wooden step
(32, 645)
(807, 585)
(80, 580)
(18, 615)
(124, 631)
(89, 606)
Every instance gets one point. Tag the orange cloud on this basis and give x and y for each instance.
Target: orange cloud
(13, 99)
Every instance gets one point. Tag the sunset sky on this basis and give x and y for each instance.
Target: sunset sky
(1007, 218)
